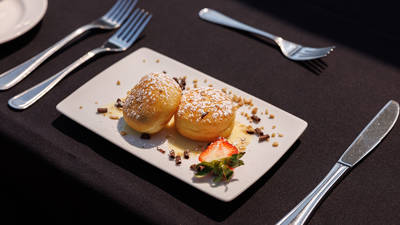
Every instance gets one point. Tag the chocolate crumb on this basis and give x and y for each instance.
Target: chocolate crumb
(145, 136)
(160, 150)
(259, 132)
(193, 167)
(204, 115)
(80, 107)
(263, 138)
(186, 154)
(178, 160)
(113, 117)
(275, 144)
(102, 110)
(250, 131)
(172, 154)
(255, 118)
(118, 104)
(164, 72)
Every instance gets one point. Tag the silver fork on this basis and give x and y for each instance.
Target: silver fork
(120, 41)
(111, 20)
(289, 49)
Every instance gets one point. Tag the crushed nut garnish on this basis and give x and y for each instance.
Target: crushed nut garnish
(160, 150)
(263, 138)
(273, 127)
(157, 61)
(186, 154)
(123, 133)
(145, 136)
(205, 80)
(96, 103)
(271, 116)
(255, 118)
(266, 112)
(275, 144)
(80, 107)
(118, 82)
(210, 85)
(273, 135)
(223, 90)
(194, 81)
(259, 132)
(102, 110)
(250, 130)
(164, 72)
(280, 135)
(113, 117)
(172, 154)
(254, 111)
(195, 85)
(144, 60)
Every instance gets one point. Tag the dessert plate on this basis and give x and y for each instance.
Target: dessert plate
(19, 16)
(114, 82)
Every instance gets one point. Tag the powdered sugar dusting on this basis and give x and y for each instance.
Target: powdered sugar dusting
(205, 104)
(151, 88)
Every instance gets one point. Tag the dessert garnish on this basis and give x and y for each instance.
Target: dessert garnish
(172, 154)
(255, 118)
(186, 154)
(160, 150)
(118, 103)
(178, 160)
(102, 110)
(219, 159)
(263, 138)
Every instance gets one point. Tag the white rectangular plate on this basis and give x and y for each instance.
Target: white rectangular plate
(81, 106)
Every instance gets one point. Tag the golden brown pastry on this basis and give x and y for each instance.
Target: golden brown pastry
(205, 114)
(151, 103)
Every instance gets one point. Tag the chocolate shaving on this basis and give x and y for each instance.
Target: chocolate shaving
(255, 118)
(263, 138)
(118, 104)
(181, 82)
(259, 132)
(160, 150)
(145, 136)
(193, 167)
(178, 160)
(172, 154)
(102, 110)
(164, 72)
(204, 115)
(186, 154)
(250, 131)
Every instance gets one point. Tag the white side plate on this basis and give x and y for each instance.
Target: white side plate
(19, 16)
(81, 107)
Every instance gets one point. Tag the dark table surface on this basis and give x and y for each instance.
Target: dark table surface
(57, 171)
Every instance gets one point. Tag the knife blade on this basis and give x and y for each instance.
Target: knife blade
(365, 142)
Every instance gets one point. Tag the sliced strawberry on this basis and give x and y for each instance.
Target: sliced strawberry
(218, 149)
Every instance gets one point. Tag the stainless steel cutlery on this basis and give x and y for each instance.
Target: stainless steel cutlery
(289, 49)
(111, 20)
(120, 41)
(366, 141)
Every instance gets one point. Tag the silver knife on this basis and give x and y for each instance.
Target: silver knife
(366, 141)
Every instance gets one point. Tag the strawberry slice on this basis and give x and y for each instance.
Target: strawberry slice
(218, 149)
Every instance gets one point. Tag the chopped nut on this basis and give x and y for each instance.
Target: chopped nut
(266, 111)
(223, 90)
(143, 60)
(186, 154)
(254, 111)
(205, 80)
(275, 144)
(102, 110)
(280, 135)
(241, 148)
(145, 136)
(210, 85)
(164, 72)
(172, 154)
(178, 160)
(255, 118)
(123, 133)
(259, 132)
(248, 101)
(193, 167)
(242, 113)
(80, 107)
(195, 85)
(118, 82)
(250, 130)
(194, 81)
(273, 127)
(157, 61)
(235, 98)
(263, 138)
(273, 135)
(230, 92)
(113, 117)
(271, 116)
(96, 102)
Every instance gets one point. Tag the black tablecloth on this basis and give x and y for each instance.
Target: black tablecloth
(57, 171)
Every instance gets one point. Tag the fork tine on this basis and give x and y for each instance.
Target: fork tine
(121, 18)
(133, 38)
(119, 10)
(135, 25)
(136, 14)
(113, 9)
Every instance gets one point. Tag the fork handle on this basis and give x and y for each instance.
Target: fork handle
(300, 213)
(219, 18)
(13, 76)
(30, 96)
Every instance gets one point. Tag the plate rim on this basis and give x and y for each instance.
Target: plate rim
(35, 20)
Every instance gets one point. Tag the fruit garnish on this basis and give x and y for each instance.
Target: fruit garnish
(222, 168)
(218, 149)
(219, 158)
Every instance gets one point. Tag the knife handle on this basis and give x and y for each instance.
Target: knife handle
(302, 211)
